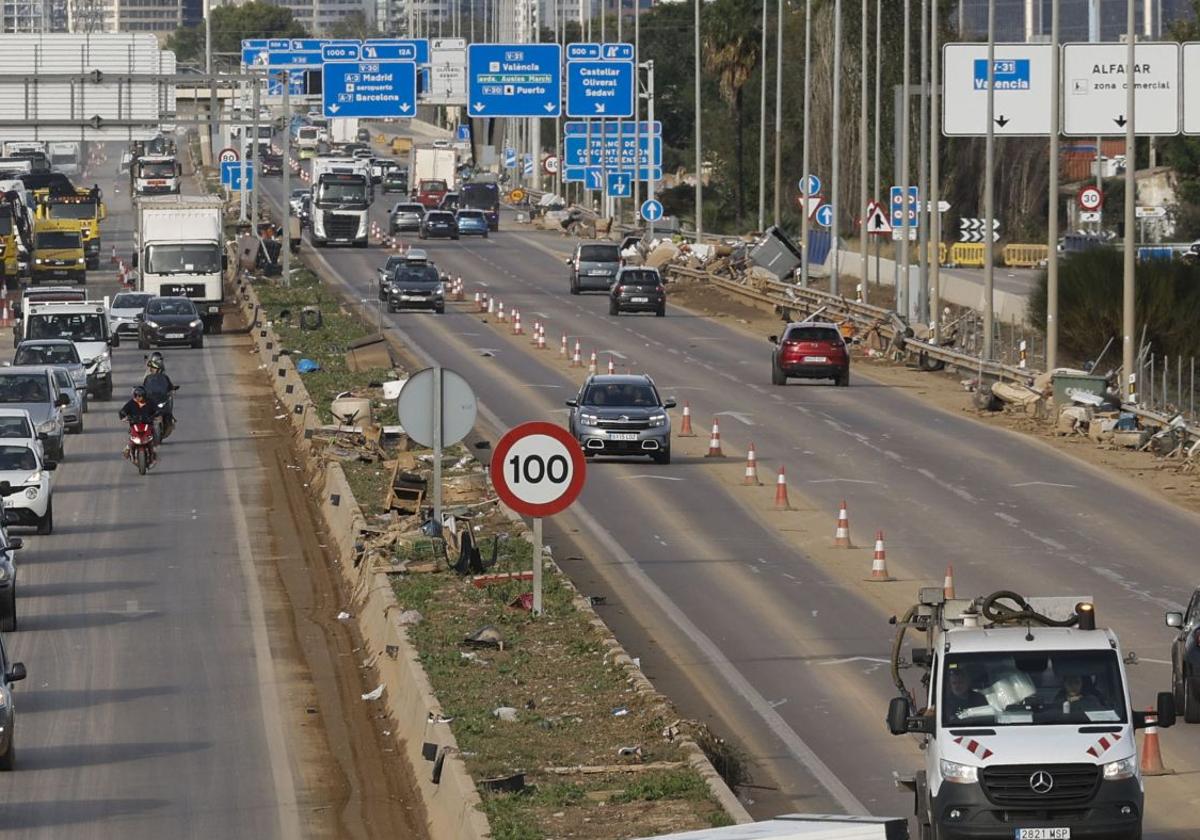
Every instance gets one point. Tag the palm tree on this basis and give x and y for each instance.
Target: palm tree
(731, 51)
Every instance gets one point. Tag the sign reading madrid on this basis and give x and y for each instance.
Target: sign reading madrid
(369, 89)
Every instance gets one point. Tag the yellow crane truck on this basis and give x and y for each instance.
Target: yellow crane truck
(58, 251)
(83, 205)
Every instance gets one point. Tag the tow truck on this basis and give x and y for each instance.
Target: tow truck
(1027, 729)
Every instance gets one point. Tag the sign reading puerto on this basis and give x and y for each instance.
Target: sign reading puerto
(602, 84)
(369, 88)
(538, 469)
(1021, 75)
(514, 80)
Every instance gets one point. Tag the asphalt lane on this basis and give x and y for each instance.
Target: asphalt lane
(756, 621)
(151, 708)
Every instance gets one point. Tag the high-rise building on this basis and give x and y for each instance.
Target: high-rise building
(318, 16)
(1079, 20)
(24, 16)
(158, 16)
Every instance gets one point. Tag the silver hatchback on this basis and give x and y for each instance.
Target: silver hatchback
(621, 415)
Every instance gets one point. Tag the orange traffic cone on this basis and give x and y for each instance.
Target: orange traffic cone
(592, 364)
(612, 368)
(516, 322)
(1152, 761)
(541, 338)
(879, 571)
(576, 360)
(841, 536)
(114, 255)
(751, 476)
(533, 334)
(948, 583)
(462, 289)
(500, 312)
(479, 307)
(714, 442)
(562, 347)
(685, 427)
(491, 305)
(781, 496)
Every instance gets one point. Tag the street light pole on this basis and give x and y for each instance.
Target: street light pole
(1129, 389)
(989, 177)
(862, 150)
(778, 111)
(1052, 229)
(836, 163)
(922, 301)
(902, 284)
(804, 143)
(762, 128)
(699, 110)
(935, 174)
(878, 74)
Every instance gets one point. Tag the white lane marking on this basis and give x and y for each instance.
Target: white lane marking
(739, 416)
(1146, 658)
(531, 385)
(1011, 520)
(945, 485)
(842, 480)
(616, 353)
(1043, 484)
(648, 475)
(268, 694)
(847, 660)
(775, 704)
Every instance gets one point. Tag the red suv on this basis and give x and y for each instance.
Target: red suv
(811, 350)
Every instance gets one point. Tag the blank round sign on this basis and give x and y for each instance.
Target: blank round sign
(537, 469)
(415, 407)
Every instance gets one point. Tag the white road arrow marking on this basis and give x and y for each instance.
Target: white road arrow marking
(1043, 484)
(737, 415)
(648, 475)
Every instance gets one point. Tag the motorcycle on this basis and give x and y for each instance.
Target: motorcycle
(166, 408)
(141, 446)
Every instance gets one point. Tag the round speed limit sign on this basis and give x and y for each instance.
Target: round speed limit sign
(537, 469)
(228, 156)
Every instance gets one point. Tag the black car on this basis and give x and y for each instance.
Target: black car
(271, 163)
(10, 672)
(406, 216)
(1185, 659)
(439, 223)
(363, 135)
(395, 180)
(170, 320)
(416, 287)
(637, 290)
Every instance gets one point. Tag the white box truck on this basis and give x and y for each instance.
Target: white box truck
(433, 172)
(179, 250)
(341, 199)
(155, 174)
(65, 157)
(343, 130)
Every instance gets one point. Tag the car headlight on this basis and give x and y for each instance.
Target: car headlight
(80, 261)
(31, 493)
(152, 325)
(4, 574)
(441, 289)
(103, 363)
(959, 774)
(37, 261)
(196, 324)
(658, 419)
(46, 426)
(1116, 770)
(589, 419)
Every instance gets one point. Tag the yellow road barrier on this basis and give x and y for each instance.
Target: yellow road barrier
(967, 254)
(1025, 256)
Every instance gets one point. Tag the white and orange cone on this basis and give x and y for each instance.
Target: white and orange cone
(948, 582)
(541, 338)
(500, 312)
(781, 494)
(479, 307)
(841, 536)
(714, 441)
(612, 368)
(685, 426)
(533, 334)
(592, 364)
(516, 322)
(491, 305)
(879, 570)
(577, 359)
(751, 476)
(562, 347)
(1152, 760)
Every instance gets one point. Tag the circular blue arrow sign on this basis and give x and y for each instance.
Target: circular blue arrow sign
(812, 183)
(652, 210)
(824, 215)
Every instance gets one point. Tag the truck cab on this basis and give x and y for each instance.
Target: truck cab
(85, 206)
(179, 251)
(341, 199)
(58, 252)
(155, 175)
(1027, 728)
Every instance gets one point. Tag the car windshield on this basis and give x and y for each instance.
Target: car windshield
(621, 394)
(813, 334)
(24, 388)
(417, 274)
(641, 279)
(17, 458)
(73, 210)
(201, 258)
(419, 209)
(433, 186)
(470, 215)
(130, 300)
(74, 327)
(300, 193)
(170, 306)
(59, 239)
(1003, 688)
(15, 427)
(351, 191)
(440, 216)
(599, 253)
(46, 354)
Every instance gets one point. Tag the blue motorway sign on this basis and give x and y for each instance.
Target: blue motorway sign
(527, 164)
(620, 184)
(231, 174)
(510, 157)
(463, 133)
(600, 88)
(420, 45)
(1009, 74)
(582, 52)
(897, 207)
(369, 89)
(593, 176)
(253, 55)
(514, 80)
(339, 52)
(297, 83)
(581, 127)
(294, 59)
(615, 152)
(399, 51)
(652, 210)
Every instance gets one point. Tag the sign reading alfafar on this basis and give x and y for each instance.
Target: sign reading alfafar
(1094, 89)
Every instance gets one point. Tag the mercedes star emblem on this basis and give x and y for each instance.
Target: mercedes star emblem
(1041, 782)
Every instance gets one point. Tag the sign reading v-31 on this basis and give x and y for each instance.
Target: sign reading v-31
(514, 80)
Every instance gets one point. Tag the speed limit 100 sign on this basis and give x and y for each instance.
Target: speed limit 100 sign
(1091, 199)
(538, 469)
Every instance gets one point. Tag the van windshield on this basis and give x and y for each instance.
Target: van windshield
(164, 169)
(74, 327)
(1002, 688)
(202, 258)
(73, 210)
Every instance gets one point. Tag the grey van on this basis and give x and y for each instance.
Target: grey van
(35, 390)
(593, 266)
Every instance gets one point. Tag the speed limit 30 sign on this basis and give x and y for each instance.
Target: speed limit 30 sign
(1090, 199)
(538, 469)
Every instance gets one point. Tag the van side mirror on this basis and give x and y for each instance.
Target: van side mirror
(50, 466)
(16, 543)
(901, 721)
(114, 340)
(1175, 619)
(570, 260)
(62, 401)
(17, 673)
(572, 403)
(669, 404)
(43, 436)
(774, 339)
(224, 262)
(1166, 709)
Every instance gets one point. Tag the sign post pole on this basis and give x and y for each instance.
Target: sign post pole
(437, 446)
(286, 251)
(537, 565)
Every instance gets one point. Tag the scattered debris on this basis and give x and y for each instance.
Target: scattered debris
(374, 694)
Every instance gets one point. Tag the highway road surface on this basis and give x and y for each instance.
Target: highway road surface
(166, 695)
(756, 627)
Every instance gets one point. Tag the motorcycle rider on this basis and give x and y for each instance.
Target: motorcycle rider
(159, 390)
(139, 410)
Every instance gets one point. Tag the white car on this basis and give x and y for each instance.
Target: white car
(16, 427)
(22, 466)
(123, 312)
